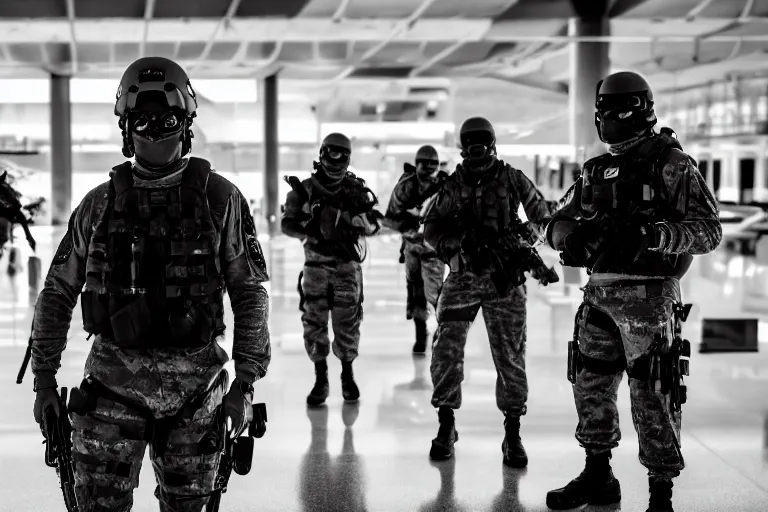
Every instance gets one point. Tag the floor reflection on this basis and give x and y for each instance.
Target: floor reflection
(410, 401)
(445, 501)
(326, 484)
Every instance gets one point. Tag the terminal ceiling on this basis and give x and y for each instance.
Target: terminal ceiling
(503, 58)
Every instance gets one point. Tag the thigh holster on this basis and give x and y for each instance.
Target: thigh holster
(577, 360)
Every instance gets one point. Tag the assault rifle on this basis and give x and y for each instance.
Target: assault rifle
(509, 253)
(238, 455)
(57, 431)
(357, 208)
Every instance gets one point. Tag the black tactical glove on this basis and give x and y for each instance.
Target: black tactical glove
(45, 398)
(238, 408)
(630, 240)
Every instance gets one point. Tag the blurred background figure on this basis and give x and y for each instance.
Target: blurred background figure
(405, 214)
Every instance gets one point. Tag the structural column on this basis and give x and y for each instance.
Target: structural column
(61, 151)
(271, 154)
(589, 64)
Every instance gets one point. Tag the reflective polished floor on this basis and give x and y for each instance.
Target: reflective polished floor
(374, 456)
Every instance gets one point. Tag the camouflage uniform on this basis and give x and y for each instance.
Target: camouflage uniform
(423, 270)
(332, 278)
(147, 383)
(494, 203)
(627, 305)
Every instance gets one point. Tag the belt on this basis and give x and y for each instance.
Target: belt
(645, 289)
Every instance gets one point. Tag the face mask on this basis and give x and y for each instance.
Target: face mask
(615, 131)
(160, 152)
(478, 157)
(425, 169)
(335, 161)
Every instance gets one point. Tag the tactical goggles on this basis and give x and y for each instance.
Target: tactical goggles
(622, 104)
(163, 123)
(336, 153)
(427, 164)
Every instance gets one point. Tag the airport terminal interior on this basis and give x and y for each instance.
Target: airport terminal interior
(272, 79)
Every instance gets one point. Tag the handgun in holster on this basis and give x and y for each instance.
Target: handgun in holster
(575, 364)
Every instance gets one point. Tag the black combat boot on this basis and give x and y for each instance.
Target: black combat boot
(320, 392)
(661, 495)
(596, 485)
(420, 346)
(349, 389)
(442, 445)
(512, 446)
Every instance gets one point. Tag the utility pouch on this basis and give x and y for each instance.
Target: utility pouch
(95, 312)
(573, 361)
(190, 327)
(82, 400)
(130, 323)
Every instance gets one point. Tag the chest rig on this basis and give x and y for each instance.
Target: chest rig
(493, 204)
(629, 184)
(153, 275)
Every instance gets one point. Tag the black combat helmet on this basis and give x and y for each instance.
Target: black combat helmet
(624, 107)
(335, 152)
(155, 77)
(478, 143)
(427, 153)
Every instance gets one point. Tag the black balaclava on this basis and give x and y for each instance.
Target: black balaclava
(478, 148)
(334, 161)
(157, 132)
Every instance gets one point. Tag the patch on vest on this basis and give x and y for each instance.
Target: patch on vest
(252, 242)
(611, 173)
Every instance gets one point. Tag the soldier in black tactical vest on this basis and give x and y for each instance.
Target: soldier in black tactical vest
(634, 219)
(423, 270)
(473, 227)
(153, 251)
(330, 212)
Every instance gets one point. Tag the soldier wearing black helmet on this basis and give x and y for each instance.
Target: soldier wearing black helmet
(634, 219)
(330, 212)
(473, 213)
(423, 270)
(153, 251)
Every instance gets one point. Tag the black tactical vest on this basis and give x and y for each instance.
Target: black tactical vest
(353, 197)
(494, 203)
(631, 186)
(153, 275)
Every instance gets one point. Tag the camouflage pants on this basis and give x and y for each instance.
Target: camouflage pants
(617, 327)
(108, 446)
(424, 278)
(463, 294)
(334, 288)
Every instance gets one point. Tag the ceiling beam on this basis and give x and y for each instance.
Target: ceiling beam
(339, 14)
(149, 13)
(436, 58)
(72, 38)
(401, 26)
(445, 30)
(555, 88)
(693, 13)
(223, 23)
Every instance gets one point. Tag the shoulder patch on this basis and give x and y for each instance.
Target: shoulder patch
(252, 245)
